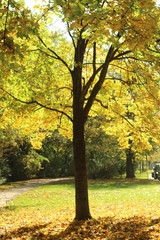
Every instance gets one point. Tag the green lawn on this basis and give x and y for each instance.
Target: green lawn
(143, 175)
(100, 193)
(47, 212)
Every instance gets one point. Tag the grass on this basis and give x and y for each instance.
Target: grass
(47, 212)
(100, 193)
(57, 196)
(124, 193)
(143, 175)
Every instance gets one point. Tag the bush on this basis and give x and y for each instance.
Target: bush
(18, 161)
(58, 150)
(105, 159)
(5, 171)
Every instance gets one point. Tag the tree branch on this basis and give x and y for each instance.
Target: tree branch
(88, 84)
(116, 78)
(134, 58)
(155, 51)
(103, 3)
(71, 35)
(99, 101)
(98, 85)
(125, 118)
(38, 103)
(57, 56)
(40, 50)
(121, 54)
(94, 57)
(106, 107)
(121, 68)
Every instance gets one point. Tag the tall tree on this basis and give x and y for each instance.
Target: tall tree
(107, 62)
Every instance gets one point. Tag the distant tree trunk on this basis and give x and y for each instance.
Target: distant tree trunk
(130, 160)
(147, 162)
(143, 169)
(140, 167)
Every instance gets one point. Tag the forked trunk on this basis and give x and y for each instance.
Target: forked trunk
(80, 169)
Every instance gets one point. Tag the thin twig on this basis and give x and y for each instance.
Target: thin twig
(57, 56)
(71, 35)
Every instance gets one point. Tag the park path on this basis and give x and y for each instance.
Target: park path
(9, 194)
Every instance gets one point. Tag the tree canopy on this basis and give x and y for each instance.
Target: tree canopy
(132, 79)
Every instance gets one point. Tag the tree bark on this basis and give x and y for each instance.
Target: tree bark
(80, 169)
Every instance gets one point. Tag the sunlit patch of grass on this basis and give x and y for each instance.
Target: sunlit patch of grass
(124, 193)
(143, 175)
(46, 197)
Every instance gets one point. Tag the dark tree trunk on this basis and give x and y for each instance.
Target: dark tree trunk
(80, 169)
(143, 168)
(140, 168)
(130, 160)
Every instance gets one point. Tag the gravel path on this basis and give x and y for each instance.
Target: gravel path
(8, 195)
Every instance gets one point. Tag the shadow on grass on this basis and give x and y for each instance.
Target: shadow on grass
(19, 207)
(110, 184)
(120, 183)
(135, 228)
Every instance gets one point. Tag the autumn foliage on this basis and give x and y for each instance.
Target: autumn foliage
(60, 227)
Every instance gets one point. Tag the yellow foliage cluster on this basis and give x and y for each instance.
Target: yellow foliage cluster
(40, 78)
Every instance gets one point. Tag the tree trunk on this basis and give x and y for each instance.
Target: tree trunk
(143, 169)
(130, 159)
(80, 168)
(140, 168)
